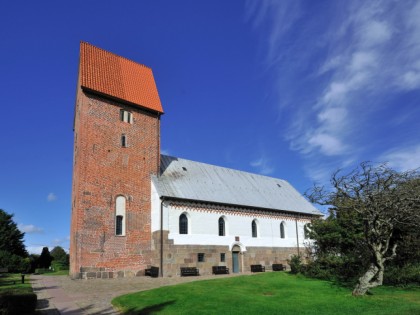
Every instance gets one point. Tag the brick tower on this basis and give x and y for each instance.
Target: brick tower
(116, 150)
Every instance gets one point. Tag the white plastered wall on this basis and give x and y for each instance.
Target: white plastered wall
(204, 230)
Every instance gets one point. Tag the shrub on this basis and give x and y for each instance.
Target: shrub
(12, 262)
(57, 266)
(42, 270)
(295, 263)
(17, 303)
(402, 276)
(343, 269)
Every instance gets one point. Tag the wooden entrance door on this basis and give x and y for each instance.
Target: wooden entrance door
(235, 262)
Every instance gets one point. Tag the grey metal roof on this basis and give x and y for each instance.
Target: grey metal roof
(185, 179)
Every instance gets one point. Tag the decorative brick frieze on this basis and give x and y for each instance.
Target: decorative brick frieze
(240, 211)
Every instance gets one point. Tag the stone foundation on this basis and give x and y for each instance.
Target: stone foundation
(177, 256)
(101, 273)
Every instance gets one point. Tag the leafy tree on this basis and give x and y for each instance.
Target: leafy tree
(11, 239)
(60, 259)
(339, 248)
(13, 263)
(382, 204)
(33, 262)
(59, 254)
(45, 259)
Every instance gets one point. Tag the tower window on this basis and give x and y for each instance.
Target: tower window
(222, 257)
(120, 204)
(123, 140)
(119, 225)
(200, 257)
(126, 116)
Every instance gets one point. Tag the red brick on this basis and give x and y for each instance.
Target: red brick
(103, 170)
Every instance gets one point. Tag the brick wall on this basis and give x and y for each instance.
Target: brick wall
(103, 170)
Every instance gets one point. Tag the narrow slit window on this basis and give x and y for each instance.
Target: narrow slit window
(120, 204)
(254, 229)
(119, 225)
(123, 140)
(307, 231)
(222, 227)
(282, 230)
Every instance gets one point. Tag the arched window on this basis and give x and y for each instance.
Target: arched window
(307, 230)
(120, 215)
(282, 230)
(222, 230)
(254, 229)
(183, 224)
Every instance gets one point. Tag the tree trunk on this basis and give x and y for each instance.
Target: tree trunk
(372, 278)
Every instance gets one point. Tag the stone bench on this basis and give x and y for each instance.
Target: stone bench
(279, 267)
(219, 270)
(3, 272)
(152, 272)
(189, 271)
(257, 268)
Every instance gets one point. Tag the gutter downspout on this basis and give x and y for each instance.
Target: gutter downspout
(297, 237)
(162, 199)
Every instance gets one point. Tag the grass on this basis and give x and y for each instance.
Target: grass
(13, 282)
(268, 293)
(56, 273)
(48, 272)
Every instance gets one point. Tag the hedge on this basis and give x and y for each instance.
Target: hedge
(17, 303)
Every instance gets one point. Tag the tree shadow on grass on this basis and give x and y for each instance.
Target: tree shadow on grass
(152, 309)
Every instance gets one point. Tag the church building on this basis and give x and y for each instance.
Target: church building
(133, 207)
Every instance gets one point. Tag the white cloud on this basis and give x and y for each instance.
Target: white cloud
(35, 249)
(263, 165)
(51, 197)
(327, 144)
(344, 73)
(375, 33)
(30, 228)
(410, 80)
(403, 159)
(60, 241)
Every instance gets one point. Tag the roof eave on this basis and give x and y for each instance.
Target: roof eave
(120, 100)
(164, 197)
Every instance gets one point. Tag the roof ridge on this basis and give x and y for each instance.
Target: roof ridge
(116, 55)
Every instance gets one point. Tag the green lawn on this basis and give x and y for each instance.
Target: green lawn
(54, 273)
(268, 293)
(13, 282)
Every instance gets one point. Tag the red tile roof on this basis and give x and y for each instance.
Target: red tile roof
(118, 77)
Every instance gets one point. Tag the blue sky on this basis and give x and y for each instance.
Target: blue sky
(289, 89)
